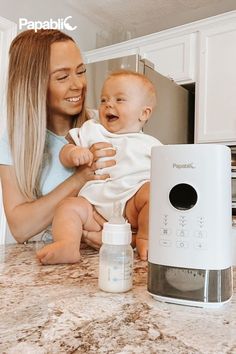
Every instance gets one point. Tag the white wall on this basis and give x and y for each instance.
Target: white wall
(7, 33)
(43, 10)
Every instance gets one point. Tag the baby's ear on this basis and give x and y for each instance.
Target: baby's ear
(146, 113)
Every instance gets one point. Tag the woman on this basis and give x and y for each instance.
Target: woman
(46, 96)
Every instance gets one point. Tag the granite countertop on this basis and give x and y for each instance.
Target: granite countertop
(59, 309)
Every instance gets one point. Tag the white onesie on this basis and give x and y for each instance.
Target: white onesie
(132, 169)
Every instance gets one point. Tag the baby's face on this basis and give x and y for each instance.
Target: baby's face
(122, 104)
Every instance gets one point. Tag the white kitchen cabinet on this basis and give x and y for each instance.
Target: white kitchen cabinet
(215, 110)
(173, 52)
(174, 57)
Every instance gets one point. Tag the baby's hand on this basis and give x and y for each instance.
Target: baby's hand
(81, 156)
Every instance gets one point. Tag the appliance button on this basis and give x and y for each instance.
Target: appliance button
(200, 233)
(165, 232)
(182, 244)
(165, 243)
(201, 222)
(182, 233)
(201, 245)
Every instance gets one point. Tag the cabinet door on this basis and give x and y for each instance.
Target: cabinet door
(215, 114)
(174, 57)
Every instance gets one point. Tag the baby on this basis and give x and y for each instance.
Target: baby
(127, 101)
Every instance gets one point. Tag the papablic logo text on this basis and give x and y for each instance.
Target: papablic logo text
(59, 24)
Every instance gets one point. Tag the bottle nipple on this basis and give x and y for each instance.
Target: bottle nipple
(117, 217)
(116, 231)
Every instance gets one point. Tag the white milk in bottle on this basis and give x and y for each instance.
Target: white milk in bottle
(116, 254)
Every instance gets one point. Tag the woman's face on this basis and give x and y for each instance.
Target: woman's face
(67, 82)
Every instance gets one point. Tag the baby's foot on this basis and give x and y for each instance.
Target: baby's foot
(59, 252)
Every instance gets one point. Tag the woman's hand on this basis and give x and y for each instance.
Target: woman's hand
(99, 150)
(94, 238)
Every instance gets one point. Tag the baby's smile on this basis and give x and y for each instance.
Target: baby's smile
(111, 117)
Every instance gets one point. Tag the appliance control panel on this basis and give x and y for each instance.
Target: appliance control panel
(181, 234)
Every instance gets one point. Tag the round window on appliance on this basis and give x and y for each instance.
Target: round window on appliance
(183, 196)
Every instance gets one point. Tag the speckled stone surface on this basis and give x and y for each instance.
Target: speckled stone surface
(59, 309)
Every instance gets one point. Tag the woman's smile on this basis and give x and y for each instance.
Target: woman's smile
(73, 99)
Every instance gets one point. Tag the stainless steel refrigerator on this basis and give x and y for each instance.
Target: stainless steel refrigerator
(171, 119)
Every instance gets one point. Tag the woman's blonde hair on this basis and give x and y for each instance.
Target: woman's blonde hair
(28, 77)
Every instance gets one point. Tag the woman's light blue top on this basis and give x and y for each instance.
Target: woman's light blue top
(53, 172)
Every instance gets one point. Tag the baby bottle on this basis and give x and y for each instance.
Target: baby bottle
(116, 254)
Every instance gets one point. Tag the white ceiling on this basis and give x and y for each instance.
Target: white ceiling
(134, 18)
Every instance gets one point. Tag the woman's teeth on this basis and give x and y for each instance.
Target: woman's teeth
(73, 99)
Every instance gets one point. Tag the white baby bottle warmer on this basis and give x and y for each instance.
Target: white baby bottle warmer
(190, 239)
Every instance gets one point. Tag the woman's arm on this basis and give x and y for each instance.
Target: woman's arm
(26, 219)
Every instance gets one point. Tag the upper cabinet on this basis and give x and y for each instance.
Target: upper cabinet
(174, 57)
(202, 53)
(173, 52)
(215, 114)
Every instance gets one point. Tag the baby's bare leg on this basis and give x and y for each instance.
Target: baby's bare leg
(72, 215)
(137, 213)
